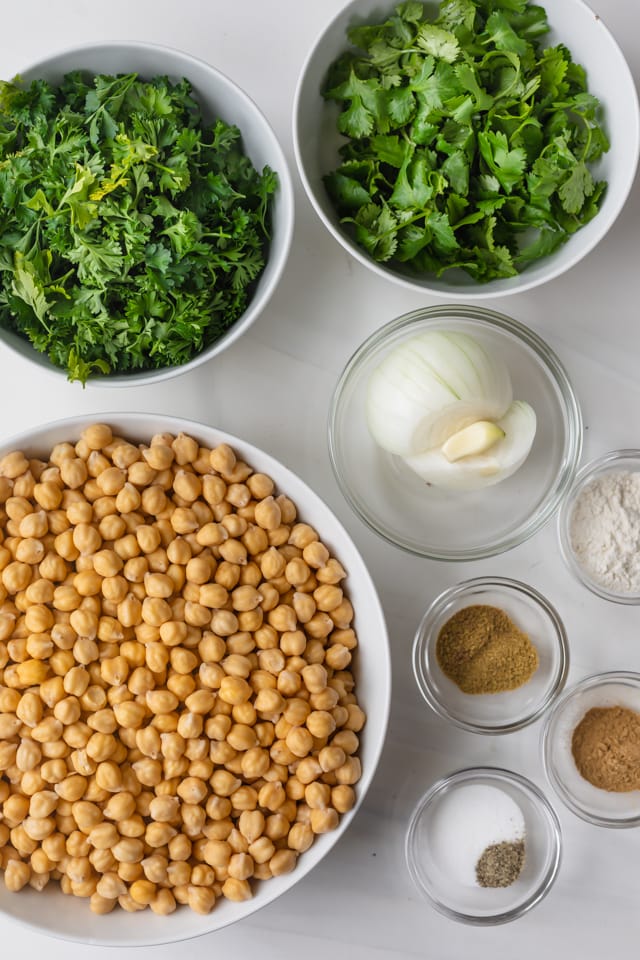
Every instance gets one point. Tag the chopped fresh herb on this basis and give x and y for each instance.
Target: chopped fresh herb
(468, 144)
(131, 234)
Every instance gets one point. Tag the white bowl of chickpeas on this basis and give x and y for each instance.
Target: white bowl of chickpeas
(187, 721)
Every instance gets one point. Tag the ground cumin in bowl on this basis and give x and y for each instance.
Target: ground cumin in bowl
(490, 655)
(591, 749)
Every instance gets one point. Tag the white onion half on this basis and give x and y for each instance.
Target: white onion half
(432, 386)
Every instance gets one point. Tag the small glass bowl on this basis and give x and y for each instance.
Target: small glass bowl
(452, 525)
(616, 461)
(603, 808)
(493, 712)
(478, 905)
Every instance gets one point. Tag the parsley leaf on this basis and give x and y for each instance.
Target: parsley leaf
(131, 233)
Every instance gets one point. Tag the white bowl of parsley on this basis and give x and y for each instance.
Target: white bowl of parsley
(147, 213)
(471, 148)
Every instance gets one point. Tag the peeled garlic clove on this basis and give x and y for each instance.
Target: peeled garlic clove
(477, 438)
(485, 469)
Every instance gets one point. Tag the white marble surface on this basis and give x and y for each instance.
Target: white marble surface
(272, 387)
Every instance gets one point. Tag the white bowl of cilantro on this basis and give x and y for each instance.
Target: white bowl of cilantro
(472, 148)
(147, 213)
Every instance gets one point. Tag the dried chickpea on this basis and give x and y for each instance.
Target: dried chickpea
(101, 905)
(299, 740)
(300, 837)
(201, 899)
(324, 820)
(296, 572)
(319, 626)
(190, 655)
(283, 861)
(236, 890)
(111, 480)
(289, 683)
(343, 798)
(272, 796)
(111, 886)
(164, 903)
(97, 436)
(338, 657)
(350, 771)
(332, 572)
(283, 618)
(222, 458)
(308, 769)
(40, 862)
(16, 875)
(356, 719)
(234, 690)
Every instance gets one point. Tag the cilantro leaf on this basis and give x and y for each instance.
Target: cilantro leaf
(507, 165)
(469, 143)
(499, 32)
(437, 42)
(356, 121)
(365, 108)
(444, 239)
(457, 13)
(376, 229)
(456, 169)
(469, 80)
(346, 191)
(576, 188)
(412, 188)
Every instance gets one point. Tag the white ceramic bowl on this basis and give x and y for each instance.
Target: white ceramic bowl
(316, 140)
(69, 918)
(220, 98)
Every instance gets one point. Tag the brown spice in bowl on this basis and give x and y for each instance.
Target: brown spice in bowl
(483, 651)
(606, 748)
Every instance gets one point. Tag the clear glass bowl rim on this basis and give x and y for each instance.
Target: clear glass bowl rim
(603, 464)
(587, 683)
(573, 421)
(421, 638)
(538, 798)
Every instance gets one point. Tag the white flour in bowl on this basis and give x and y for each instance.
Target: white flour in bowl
(604, 530)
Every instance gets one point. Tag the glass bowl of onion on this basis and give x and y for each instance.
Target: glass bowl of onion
(454, 432)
